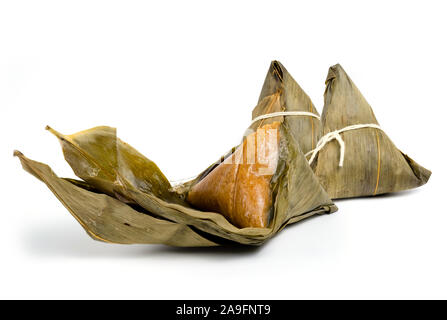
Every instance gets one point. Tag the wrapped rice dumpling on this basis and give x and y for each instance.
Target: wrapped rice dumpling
(124, 197)
(355, 157)
(305, 125)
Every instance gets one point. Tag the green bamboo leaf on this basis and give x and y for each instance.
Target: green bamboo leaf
(102, 160)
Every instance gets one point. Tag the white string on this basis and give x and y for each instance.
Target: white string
(180, 181)
(285, 113)
(336, 135)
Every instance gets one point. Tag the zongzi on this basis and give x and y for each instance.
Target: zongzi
(355, 157)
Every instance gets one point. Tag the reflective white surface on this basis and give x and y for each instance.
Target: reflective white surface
(179, 80)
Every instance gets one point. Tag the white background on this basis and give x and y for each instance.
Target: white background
(179, 80)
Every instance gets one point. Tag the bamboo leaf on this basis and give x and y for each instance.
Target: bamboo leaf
(110, 220)
(102, 160)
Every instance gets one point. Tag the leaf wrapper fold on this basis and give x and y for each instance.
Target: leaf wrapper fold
(102, 160)
(107, 219)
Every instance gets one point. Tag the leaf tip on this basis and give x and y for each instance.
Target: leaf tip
(57, 134)
(17, 153)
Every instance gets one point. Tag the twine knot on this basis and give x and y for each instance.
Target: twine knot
(335, 135)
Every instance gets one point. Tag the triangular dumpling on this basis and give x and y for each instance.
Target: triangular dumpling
(372, 163)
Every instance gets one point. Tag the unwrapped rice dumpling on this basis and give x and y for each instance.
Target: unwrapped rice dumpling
(355, 157)
(243, 185)
(239, 187)
(124, 198)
